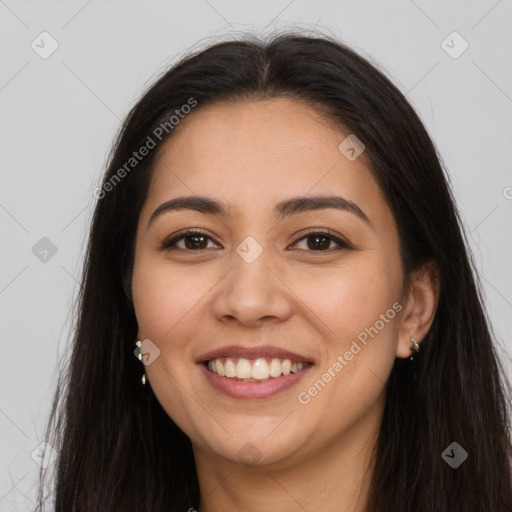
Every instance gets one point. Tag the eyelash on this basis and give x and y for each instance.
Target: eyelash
(169, 245)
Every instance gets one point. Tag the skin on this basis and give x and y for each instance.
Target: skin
(315, 302)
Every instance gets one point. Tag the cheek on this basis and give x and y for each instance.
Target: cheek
(350, 297)
(358, 310)
(164, 298)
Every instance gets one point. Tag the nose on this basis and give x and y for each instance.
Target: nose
(252, 294)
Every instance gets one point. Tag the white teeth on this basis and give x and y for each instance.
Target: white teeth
(230, 370)
(260, 369)
(255, 370)
(275, 368)
(243, 369)
(220, 368)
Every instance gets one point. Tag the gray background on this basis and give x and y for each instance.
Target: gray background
(60, 113)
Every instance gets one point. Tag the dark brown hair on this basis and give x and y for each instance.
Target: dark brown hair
(120, 451)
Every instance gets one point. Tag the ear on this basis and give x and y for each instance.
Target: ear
(422, 299)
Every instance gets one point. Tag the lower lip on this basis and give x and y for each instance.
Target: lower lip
(252, 390)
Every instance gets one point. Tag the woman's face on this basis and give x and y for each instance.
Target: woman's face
(261, 286)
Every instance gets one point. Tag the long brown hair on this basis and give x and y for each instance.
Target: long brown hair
(117, 448)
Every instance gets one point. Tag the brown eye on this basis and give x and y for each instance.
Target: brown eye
(319, 241)
(192, 241)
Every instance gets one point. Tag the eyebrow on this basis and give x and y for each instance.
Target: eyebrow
(283, 209)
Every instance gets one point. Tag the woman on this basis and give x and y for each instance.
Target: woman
(278, 308)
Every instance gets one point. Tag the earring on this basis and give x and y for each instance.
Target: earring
(415, 346)
(139, 355)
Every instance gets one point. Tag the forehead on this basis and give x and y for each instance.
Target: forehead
(253, 153)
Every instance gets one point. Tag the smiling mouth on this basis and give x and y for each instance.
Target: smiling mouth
(254, 370)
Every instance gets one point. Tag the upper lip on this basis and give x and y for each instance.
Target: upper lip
(252, 352)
